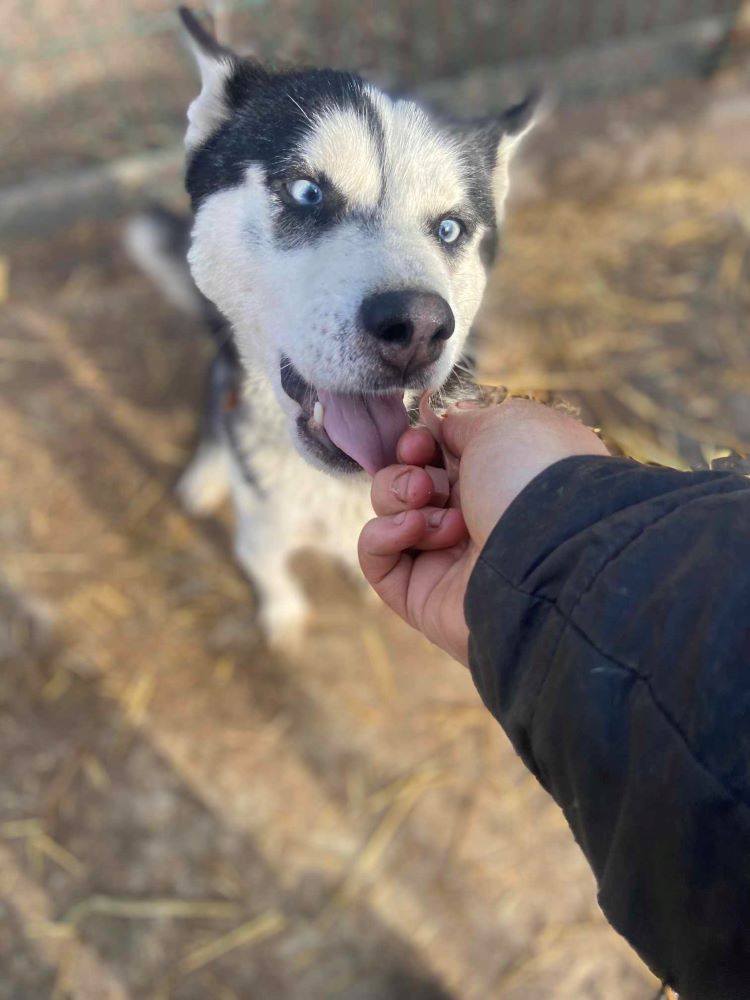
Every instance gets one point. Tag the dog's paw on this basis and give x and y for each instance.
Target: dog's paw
(285, 623)
(205, 482)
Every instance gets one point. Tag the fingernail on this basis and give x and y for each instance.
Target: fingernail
(468, 404)
(400, 518)
(435, 518)
(400, 485)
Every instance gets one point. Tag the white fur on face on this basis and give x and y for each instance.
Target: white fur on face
(303, 301)
(422, 165)
(316, 321)
(342, 147)
(231, 229)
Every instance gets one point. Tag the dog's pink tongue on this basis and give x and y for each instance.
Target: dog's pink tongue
(365, 427)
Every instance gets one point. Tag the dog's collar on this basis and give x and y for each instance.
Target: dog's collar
(231, 403)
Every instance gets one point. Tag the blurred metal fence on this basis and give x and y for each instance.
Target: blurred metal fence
(89, 81)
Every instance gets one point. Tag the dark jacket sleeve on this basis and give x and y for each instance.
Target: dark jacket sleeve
(609, 619)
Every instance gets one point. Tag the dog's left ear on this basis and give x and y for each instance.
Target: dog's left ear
(216, 65)
(500, 138)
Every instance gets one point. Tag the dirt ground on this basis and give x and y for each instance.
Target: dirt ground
(183, 814)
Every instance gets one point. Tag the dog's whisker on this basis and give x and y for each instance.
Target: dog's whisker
(304, 113)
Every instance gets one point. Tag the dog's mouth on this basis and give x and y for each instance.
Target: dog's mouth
(348, 430)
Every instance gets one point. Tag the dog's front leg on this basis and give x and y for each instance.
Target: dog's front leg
(264, 544)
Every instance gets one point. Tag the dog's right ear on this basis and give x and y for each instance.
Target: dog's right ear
(216, 65)
(494, 139)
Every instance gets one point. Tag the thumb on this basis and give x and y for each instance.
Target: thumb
(460, 423)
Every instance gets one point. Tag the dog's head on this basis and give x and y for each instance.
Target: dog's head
(345, 235)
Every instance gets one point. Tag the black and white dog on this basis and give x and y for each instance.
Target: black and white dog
(345, 237)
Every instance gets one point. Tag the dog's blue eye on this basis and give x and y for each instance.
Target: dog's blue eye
(449, 230)
(305, 192)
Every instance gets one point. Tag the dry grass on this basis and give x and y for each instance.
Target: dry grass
(183, 816)
(634, 306)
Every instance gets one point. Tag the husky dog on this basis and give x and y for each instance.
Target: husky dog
(345, 237)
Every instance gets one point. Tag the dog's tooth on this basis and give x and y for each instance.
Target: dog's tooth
(318, 412)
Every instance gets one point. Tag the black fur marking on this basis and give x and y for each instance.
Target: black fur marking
(477, 171)
(488, 246)
(271, 116)
(295, 386)
(480, 140)
(202, 38)
(224, 377)
(518, 117)
(296, 224)
(377, 132)
(234, 421)
(478, 146)
(221, 421)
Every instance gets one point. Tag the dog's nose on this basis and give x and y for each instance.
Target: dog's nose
(411, 326)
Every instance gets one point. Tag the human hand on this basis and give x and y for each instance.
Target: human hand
(419, 557)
